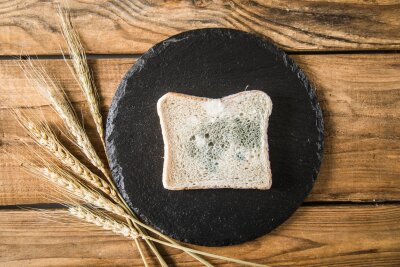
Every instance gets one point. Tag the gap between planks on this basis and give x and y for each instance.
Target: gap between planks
(135, 56)
(59, 206)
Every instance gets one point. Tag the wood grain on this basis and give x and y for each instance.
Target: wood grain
(359, 95)
(360, 99)
(355, 235)
(31, 27)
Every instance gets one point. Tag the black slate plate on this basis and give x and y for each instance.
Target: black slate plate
(214, 63)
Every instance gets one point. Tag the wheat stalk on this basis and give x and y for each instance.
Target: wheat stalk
(56, 96)
(45, 138)
(58, 100)
(67, 182)
(139, 247)
(137, 223)
(131, 219)
(83, 75)
(187, 250)
(81, 70)
(129, 232)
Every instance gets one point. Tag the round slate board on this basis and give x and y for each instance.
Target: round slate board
(214, 63)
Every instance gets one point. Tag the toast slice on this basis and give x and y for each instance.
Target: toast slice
(215, 143)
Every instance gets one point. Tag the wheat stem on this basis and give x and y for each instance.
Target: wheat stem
(139, 247)
(81, 70)
(64, 109)
(83, 76)
(131, 221)
(59, 102)
(132, 217)
(136, 221)
(170, 240)
(115, 226)
(55, 95)
(57, 98)
(45, 138)
(186, 249)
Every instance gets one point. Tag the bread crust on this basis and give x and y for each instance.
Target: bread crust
(167, 173)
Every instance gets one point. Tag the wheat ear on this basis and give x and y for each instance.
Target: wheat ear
(67, 182)
(45, 138)
(81, 70)
(102, 221)
(129, 232)
(56, 96)
(83, 75)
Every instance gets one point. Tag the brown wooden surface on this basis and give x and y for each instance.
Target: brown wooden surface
(359, 93)
(352, 235)
(134, 26)
(361, 111)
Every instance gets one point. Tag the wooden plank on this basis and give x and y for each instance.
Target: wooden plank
(356, 235)
(134, 26)
(359, 95)
(360, 99)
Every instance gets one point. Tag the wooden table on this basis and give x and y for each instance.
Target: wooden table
(348, 48)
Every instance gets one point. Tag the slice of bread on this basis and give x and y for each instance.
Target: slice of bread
(215, 143)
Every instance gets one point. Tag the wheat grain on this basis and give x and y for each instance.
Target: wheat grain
(104, 222)
(66, 181)
(56, 96)
(45, 138)
(81, 70)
